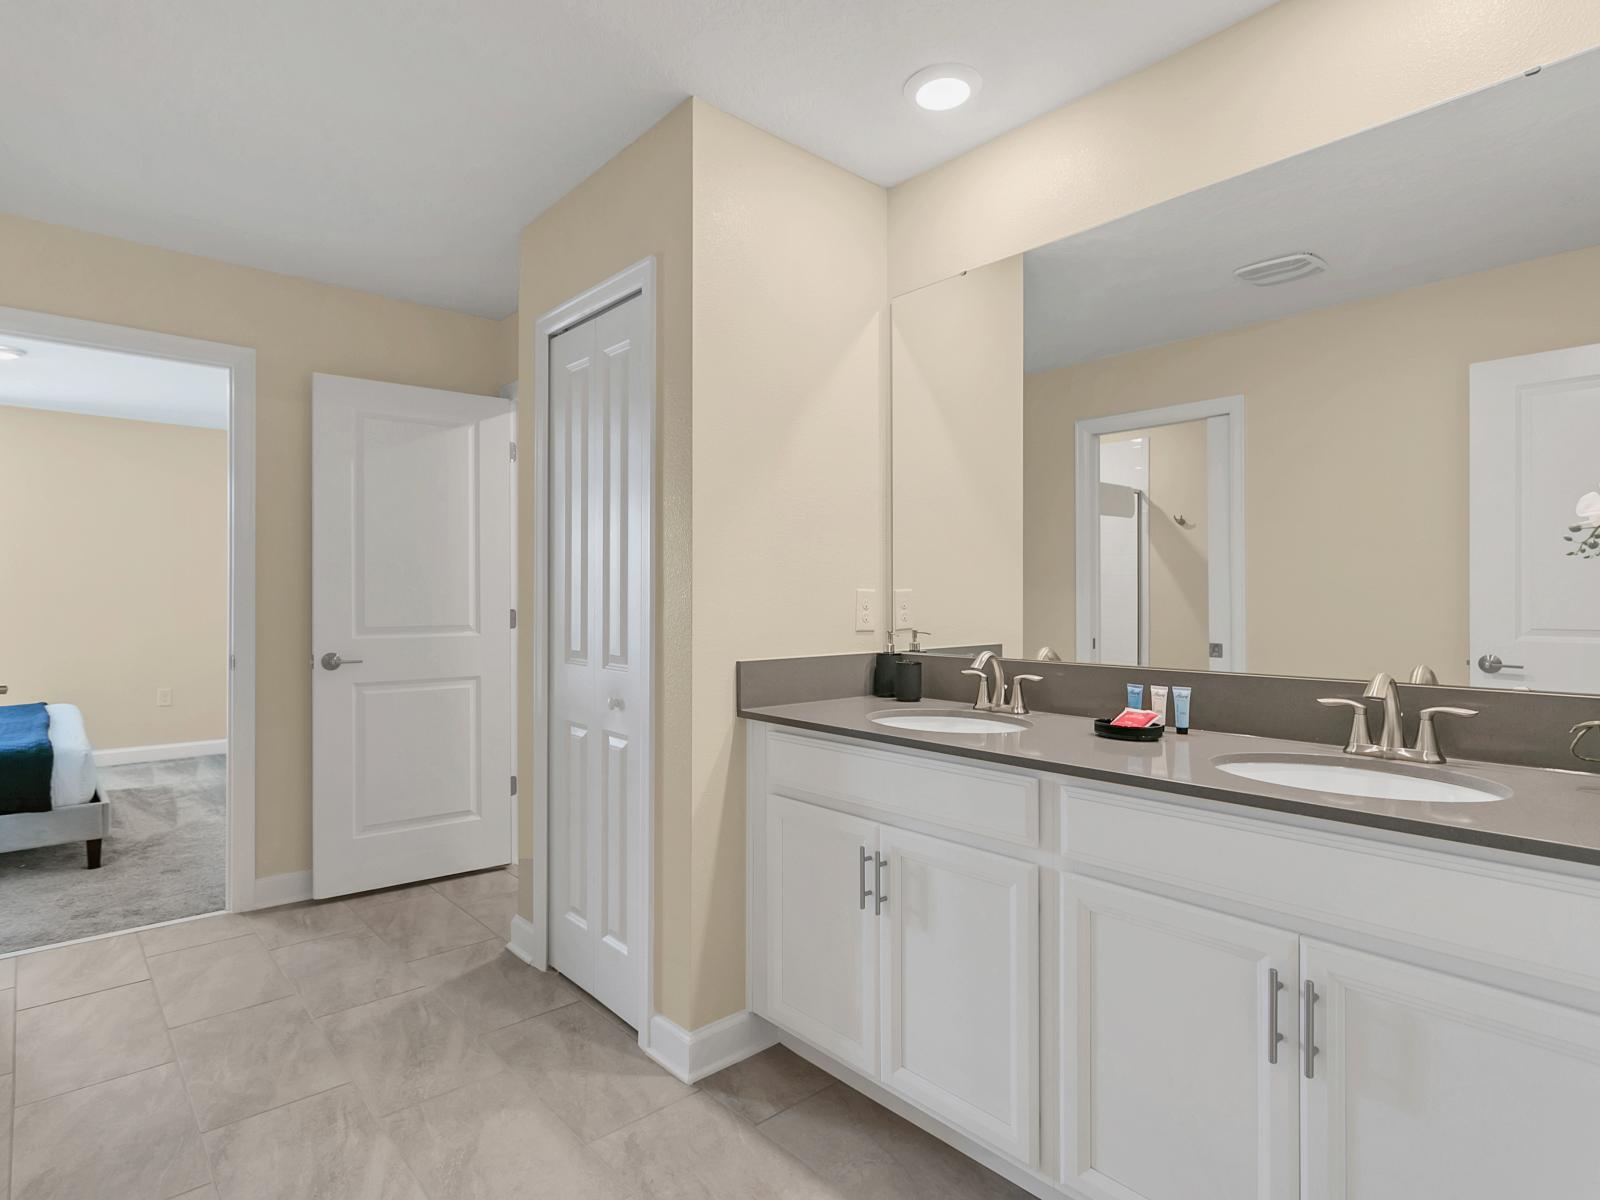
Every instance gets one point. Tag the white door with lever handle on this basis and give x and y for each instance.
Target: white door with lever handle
(411, 634)
(1534, 612)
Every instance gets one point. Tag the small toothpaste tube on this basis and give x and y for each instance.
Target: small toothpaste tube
(1180, 709)
(1136, 695)
(1136, 718)
(1158, 701)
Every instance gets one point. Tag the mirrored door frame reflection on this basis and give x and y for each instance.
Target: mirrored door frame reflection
(1225, 537)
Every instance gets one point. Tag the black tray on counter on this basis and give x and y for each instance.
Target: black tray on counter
(1122, 733)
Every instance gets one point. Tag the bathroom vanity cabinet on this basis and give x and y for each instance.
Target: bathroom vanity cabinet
(1109, 992)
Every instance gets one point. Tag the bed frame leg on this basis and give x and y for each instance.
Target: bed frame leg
(93, 844)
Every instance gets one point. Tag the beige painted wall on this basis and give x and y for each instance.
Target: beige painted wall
(296, 328)
(790, 331)
(1355, 418)
(781, 340)
(1179, 578)
(958, 456)
(114, 549)
(1295, 76)
(637, 205)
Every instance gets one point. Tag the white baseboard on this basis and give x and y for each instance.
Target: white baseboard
(524, 941)
(288, 888)
(692, 1055)
(123, 755)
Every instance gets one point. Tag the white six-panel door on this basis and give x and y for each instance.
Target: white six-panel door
(1535, 427)
(1170, 1026)
(599, 513)
(413, 568)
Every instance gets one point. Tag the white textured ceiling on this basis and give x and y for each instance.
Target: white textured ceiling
(1504, 175)
(109, 383)
(399, 146)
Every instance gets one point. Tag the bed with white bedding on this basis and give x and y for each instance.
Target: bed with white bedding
(75, 811)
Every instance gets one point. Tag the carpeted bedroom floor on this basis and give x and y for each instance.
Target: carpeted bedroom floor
(162, 860)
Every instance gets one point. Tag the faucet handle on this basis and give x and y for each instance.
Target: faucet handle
(983, 703)
(1360, 740)
(1580, 731)
(1019, 706)
(1427, 743)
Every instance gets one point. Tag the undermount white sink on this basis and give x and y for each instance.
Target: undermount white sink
(951, 722)
(1370, 780)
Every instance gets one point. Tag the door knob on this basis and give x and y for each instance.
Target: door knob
(616, 702)
(332, 662)
(1490, 664)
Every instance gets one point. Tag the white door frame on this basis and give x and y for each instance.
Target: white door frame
(637, 280)
(240, 362)
(1225, 493)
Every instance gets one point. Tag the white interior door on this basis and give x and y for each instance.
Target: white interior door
(1176, 1085)
(599, 514)
(1535, 612)
(1425, 1085)
(413, 570)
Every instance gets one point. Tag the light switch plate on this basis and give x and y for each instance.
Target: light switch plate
(163, 697)
(866, 610)
(902, 608)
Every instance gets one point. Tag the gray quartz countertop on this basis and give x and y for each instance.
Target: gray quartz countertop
(1550, 813)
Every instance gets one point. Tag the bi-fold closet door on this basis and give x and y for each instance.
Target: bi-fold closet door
(598, 515)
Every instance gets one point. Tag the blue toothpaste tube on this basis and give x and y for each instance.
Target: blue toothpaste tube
(1136, 695)
(1180, 709)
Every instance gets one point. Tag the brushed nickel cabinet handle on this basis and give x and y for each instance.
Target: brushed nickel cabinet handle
(879, 870)
(865, 891)
(1274, 1038)
(1308, 1037)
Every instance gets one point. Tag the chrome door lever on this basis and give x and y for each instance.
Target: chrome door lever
(332, 662)
(1490, 664)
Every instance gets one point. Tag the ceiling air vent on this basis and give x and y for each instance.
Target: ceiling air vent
(1270, 272)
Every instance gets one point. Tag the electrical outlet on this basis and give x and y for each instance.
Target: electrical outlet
(866, 610)
(163, 697)
(902, 608)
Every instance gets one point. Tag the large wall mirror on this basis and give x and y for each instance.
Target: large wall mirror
(1334, 416)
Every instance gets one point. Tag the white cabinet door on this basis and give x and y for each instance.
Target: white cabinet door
(1428, 1085)
(1169, 1088)
(960, 979)
(822, 935)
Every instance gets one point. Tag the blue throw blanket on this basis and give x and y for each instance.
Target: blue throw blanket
(26, 759)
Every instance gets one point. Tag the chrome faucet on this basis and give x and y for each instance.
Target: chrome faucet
(1391, 743)
(988, 701)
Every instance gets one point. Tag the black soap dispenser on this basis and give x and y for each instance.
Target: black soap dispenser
(883, 672)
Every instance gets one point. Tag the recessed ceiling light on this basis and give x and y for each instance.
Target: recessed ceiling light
(10, 352)
(942, 87)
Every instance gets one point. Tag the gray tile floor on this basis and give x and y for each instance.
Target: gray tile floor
(389, 1046)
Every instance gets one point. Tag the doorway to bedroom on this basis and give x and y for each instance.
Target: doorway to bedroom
(121, 612)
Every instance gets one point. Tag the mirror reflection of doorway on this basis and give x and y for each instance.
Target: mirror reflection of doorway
(1160, 554)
